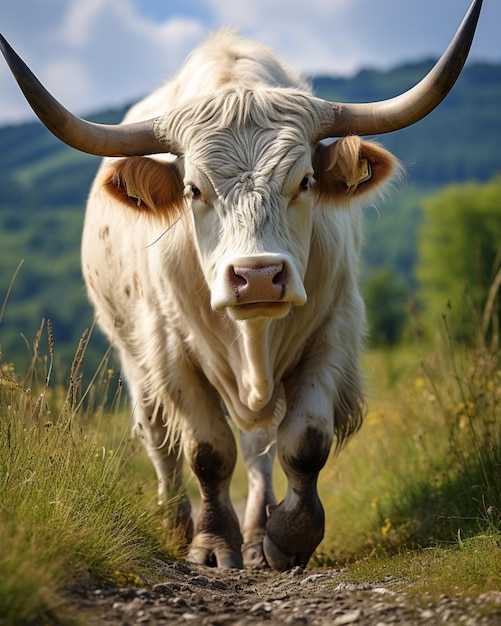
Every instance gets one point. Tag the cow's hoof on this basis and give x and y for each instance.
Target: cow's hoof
(232, 560)
(281, 561)
(215, 558)
(275, 558)
(253, 555)
(292, 535)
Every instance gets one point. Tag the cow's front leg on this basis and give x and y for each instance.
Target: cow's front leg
(168, 464)
(211, 453)
(258, 452)
(295, 527)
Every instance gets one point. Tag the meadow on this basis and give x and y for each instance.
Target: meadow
(416, 494)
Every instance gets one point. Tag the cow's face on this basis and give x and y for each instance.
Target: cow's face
(252, 215)
(253, 195)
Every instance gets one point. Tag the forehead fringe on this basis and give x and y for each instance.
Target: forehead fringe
(243, 108)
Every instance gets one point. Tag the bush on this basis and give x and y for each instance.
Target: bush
(386, 297)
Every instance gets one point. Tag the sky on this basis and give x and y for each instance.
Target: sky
(93, 54)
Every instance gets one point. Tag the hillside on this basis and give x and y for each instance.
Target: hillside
(44, 186)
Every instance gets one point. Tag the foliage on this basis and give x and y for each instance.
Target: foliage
(390, 232)
(45, 185)
(385, 296)
(42, 252)
(460, 251)
(469, 401)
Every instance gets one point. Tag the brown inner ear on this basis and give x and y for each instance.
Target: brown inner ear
(351, 167)
(144, 184)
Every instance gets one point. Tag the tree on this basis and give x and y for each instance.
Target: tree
(385, 295)
(459, 251)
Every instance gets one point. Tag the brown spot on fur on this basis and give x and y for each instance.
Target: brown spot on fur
(311, 454)
(104, 232)
(138, 286)
(210, 466)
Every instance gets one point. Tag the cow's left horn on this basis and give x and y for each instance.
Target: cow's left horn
(100, 139)
(375, 118)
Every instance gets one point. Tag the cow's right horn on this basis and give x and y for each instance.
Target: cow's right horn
(100, 139)
(373, 118)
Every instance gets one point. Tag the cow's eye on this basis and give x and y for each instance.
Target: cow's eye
(193, 193)
(305, 184)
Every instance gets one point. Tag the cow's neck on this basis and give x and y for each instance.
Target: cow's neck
(261, 398)
(256, 385)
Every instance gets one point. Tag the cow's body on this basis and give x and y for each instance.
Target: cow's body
(292, 380)
(227, 276)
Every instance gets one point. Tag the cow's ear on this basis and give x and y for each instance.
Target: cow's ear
(350, 168)
(146, 185)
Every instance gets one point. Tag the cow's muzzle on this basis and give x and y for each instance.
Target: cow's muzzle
(258, 286)
(261, 283)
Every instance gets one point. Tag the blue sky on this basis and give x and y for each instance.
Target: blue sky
(96, 53)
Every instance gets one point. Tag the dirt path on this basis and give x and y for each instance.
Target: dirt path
(211, 597)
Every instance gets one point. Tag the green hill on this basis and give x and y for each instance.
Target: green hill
(44, 186)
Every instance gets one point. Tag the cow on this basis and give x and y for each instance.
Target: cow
(220, 251)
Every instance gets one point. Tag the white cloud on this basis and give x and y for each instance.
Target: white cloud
(128, 54)
(76, 28)
(70, 72)
(305, 33)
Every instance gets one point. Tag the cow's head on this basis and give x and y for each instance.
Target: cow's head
(252, 176)
(252, 168)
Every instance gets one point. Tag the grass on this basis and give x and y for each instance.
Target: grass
(427, 463)
(467, 569)
(416, 494)
(70, 508)
(415, 497)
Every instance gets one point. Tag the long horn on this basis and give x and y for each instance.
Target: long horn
(100, 139)
(385, 116)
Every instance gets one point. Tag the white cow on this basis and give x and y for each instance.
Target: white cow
(224, 268)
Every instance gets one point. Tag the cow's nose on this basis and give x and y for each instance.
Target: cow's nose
(266, 283)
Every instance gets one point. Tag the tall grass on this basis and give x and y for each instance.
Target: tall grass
(70, 510)
(426, 467)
